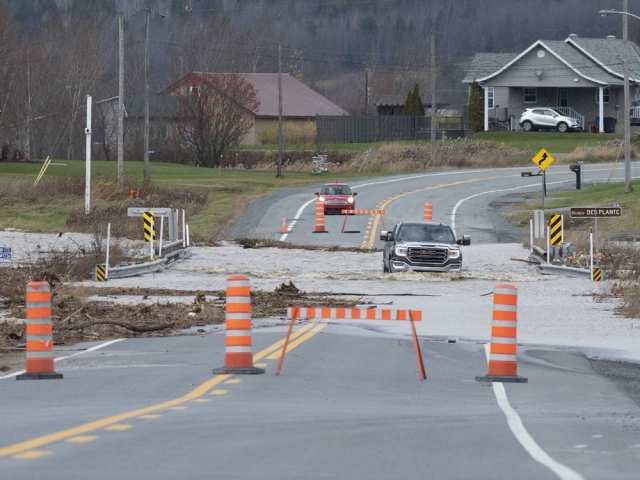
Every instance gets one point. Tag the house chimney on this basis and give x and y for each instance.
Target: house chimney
(573, 35)
(611, 37)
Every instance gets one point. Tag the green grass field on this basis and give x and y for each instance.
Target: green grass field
(228, 191)
(552, 141)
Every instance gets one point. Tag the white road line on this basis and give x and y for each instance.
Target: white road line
(66, 357)
(522, 435)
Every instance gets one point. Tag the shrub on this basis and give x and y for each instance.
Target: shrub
(295, 133)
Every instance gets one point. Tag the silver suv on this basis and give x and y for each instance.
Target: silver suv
(547, 118)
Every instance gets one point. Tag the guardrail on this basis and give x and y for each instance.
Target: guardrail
(136, 269)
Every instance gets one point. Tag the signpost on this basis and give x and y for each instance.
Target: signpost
(596, 213)
(543, 160)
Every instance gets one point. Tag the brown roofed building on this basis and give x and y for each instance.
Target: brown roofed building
(300, 104)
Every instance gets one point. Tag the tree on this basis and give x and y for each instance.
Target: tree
(413, 104)
(215, 116)
(476, 108)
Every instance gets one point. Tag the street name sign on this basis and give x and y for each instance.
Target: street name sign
(596, 212)
(140, 211)
(543, 159)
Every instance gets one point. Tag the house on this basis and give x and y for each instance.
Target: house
(300, 104)
(580, 77)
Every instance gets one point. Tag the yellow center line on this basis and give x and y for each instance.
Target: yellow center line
(118, 427)
(33, 454)
(82, 439)
(218, 392)
(370, 237)
(114, 421)
(317, 329)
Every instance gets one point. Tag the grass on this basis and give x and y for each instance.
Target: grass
(553, 141)
(599, 195)
(228, 192)
(330, 147)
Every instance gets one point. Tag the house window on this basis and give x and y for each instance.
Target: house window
(606, 95)
(491, 95)
(563, 97)
(194, 91)
(530, 95)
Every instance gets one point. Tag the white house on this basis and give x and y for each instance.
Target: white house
(581, 77)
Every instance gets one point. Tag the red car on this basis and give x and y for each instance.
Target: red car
(337, 197)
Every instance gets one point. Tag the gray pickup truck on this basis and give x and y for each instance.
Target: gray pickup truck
(424, 247)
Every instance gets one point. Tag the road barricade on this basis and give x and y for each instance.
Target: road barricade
(503, 361)
(427, 213)
(347, 212)
(238, 357)
(319, 226)
(39, 334)
(350, 313)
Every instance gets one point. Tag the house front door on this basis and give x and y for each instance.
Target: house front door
(563, 97)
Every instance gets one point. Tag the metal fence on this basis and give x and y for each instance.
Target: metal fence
(382, 128)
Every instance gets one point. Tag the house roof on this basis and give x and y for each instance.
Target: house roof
(593, 59)
(607, 52)
(298, 100)
(484, 64)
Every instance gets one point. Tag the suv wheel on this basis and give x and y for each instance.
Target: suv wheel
(562, 127)
(527, 126)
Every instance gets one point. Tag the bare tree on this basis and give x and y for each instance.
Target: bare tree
(215, 116)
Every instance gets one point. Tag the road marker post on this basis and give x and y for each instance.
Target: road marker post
(39, 334)
(556, 225)
(238, 357)
(283, 226)
(106, 257)
(161, 236)
(293, 313)
(427, 212)
(503, 360)
(531, 235)
(149, 230)
(548, 246)
(320, 226)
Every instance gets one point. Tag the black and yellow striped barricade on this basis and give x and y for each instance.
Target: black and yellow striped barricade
(555, 230)
(596, 274)
(149, 226)
(101, 272)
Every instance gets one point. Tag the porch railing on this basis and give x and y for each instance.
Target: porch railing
(635, 113)
(572, 114)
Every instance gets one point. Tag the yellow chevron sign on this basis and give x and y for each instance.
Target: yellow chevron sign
(596, 275)
(543, 159)
(149, 226)
(555, 230)
(101, 273)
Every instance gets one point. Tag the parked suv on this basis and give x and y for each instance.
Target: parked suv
(424, 247)
(547, 119)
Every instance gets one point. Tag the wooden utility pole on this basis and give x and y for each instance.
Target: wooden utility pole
(120, 133)
(280, 137)
(627, 100)
(366, 92)
(147, 176)
(434, 107)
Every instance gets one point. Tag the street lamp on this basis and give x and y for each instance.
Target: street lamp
(627, 105)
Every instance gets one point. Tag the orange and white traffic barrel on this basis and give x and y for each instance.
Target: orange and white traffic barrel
(428, 212)
(238, 357)
(319, 227)
(39, 334)
(503, 361)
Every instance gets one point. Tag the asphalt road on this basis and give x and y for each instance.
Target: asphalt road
(348, 405)
(460, 198)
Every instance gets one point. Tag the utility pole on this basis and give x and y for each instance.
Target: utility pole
(366, 92)
(29, 112)
(87, 165)
(280, 137)
(146, 174)
(434, 74)
(627, 100)
(120, 133)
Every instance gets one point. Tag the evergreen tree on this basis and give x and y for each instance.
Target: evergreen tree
(476, 108)
(413, 104)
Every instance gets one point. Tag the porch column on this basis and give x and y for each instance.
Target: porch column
(601, 109)
(486, 109)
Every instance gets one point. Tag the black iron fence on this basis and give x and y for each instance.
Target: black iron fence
(383, 128)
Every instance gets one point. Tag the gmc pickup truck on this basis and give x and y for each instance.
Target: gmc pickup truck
(423, 247)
